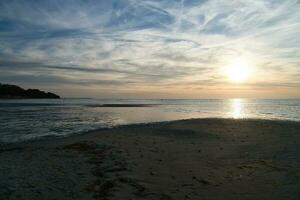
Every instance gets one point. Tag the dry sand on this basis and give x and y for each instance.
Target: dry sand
(188, 159)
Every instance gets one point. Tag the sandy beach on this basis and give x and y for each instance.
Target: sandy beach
(187, 159)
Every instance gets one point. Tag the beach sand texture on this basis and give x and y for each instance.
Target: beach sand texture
(187, 159)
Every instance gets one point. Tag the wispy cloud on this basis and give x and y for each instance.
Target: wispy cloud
(147, 43)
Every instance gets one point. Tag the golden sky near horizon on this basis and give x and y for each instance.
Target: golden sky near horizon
(153, 49)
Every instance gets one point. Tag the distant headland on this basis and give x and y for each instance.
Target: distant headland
(15, 92)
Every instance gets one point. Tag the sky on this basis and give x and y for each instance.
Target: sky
(152, 48)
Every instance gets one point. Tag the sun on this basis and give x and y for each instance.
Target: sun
(238, 71)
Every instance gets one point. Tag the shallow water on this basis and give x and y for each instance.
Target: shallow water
(28, 119)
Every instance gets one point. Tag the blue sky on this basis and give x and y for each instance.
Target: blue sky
(151, 48)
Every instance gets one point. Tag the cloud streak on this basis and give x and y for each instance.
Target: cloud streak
(147, 43)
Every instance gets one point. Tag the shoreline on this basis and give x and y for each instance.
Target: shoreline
(57, 137)
(208, 158)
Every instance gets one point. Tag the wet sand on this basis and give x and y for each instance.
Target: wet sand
(188, 159)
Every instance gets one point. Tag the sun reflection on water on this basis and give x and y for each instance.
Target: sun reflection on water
(237, 108)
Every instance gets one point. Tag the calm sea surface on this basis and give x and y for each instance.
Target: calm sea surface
(28, 119)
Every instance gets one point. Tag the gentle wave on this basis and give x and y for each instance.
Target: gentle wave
(27, 119)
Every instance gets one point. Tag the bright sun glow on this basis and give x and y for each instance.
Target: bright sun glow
(238, 71)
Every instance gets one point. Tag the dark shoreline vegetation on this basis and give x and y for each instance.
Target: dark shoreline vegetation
(15, 92)
(185, 159)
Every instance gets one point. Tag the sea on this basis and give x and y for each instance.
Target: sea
(27, 119)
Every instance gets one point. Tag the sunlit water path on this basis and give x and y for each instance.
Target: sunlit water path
(28, 119)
